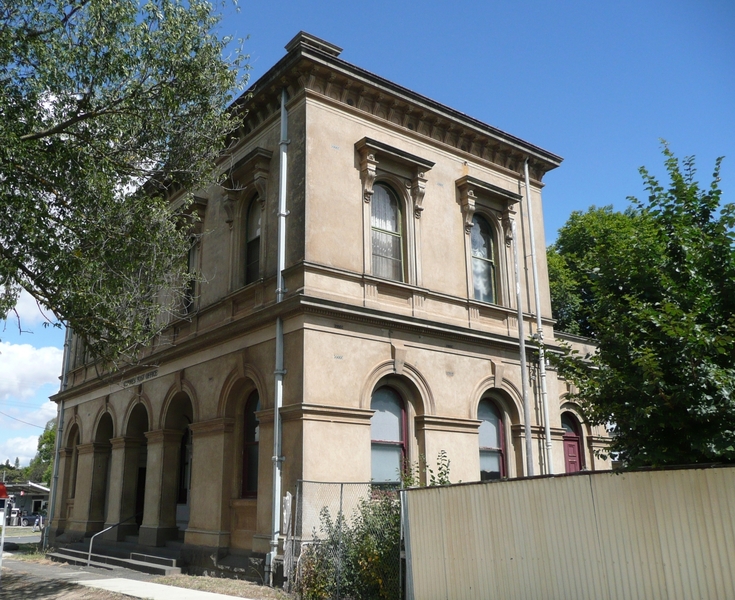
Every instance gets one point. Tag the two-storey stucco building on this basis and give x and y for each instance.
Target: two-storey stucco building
(398, 319)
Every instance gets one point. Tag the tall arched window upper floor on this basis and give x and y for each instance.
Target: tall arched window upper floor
(196, 212)
(488, 212)
(244, 200)
(393, 188)
(251, 247)
(387, 234)
(484, 261)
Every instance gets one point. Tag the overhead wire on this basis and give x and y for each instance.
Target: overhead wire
(21, 421)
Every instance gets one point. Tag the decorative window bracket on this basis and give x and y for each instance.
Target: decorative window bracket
(250, 172)
(473, 190)
(372, 152)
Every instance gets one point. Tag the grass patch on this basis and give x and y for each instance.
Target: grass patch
(219, 585)
(31, 553)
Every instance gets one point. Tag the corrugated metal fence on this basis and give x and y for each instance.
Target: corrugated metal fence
(646, 534)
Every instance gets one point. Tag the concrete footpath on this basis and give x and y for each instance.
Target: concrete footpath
(28, 580)
(146, 589)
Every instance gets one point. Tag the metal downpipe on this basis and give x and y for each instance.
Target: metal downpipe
(522, 350)
(539, 328)
(279, 371)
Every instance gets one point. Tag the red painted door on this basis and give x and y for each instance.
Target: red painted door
(571, 453)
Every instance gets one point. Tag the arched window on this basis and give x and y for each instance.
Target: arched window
(251, 435)
(252, 242)
(573, 457)
(492, 442)
(388, 433)
(385, 220)
(483, 260)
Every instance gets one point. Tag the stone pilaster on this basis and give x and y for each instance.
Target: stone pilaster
(161, 487)
(211, 483)
(123, 481)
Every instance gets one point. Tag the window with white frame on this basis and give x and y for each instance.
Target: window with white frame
(488, 211)
(393, 188)
(388, 433)
(387, 236)
(492, 452)
(483, 260)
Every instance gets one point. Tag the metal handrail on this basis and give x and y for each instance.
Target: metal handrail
(91, 540)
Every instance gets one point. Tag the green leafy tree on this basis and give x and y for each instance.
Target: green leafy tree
(42, 465)
(108, 106)
(574, 262)
(662, 311)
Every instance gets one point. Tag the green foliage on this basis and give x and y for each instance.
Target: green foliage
(361, 558)
(574, 262)
(100, 96)
(412, 472)
(42, 465)
(662, 309)
(357, 560)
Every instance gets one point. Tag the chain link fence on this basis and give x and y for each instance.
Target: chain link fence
(344, 542)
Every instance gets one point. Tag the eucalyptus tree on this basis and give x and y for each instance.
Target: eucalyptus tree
(108, 106)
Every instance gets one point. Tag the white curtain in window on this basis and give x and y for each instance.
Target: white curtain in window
(483, 260)
(386, 233)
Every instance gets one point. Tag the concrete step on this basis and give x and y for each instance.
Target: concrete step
(156, 560)
(60, 557)
(136, 562)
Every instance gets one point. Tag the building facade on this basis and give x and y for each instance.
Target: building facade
(399, 318)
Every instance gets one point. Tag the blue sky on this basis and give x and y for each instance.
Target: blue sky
(598, 83)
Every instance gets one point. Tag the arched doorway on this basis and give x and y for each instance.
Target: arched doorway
(573, 457)
(136, 457)
(179, 417)
(69, 480)
(101, 472)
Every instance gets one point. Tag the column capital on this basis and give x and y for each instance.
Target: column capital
(161, 436)
(125, 442)
(213, 427)
(92, 447)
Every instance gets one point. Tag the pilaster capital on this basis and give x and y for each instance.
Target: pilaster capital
(125, 442)
(213, 427)
(93, 447)
(162, 436)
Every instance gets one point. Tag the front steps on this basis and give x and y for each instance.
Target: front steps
(136, 561)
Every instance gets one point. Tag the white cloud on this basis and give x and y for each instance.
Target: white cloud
(24, 369)
(29, 312)
(24, 448)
